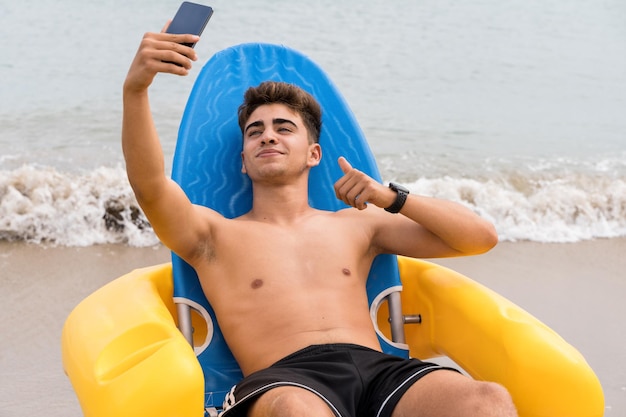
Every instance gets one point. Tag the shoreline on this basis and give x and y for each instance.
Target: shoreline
(575, 288)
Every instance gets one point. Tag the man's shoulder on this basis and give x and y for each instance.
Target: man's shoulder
(371, 218)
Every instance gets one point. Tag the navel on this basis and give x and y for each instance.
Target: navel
(256, 284)
(346, 272)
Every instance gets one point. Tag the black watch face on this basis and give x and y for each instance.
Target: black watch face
(398, 187)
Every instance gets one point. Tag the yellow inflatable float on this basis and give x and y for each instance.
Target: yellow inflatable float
(126, 357)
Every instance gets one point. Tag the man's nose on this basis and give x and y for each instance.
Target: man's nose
(268, 138)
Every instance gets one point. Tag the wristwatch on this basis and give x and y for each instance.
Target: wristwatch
(402, 193)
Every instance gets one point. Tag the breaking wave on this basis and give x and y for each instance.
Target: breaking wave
(45, 206)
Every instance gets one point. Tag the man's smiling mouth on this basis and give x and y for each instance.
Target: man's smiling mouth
(268, 152)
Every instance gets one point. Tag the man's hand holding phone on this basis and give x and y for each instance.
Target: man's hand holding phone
(160, 52)
(170, 51)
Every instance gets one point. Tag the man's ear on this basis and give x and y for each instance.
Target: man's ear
(315, 154)
(243, 165)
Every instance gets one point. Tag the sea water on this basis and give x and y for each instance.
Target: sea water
(514, 108)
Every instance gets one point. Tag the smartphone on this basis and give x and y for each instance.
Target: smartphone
(190, 18)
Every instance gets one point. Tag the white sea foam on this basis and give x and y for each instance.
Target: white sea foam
(42, 205)
(45, 206)
(540, 209)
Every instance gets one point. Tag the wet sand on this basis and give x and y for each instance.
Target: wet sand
(577, 289)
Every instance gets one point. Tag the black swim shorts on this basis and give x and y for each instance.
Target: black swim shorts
(353, 380)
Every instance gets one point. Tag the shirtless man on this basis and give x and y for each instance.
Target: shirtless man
(286, 281)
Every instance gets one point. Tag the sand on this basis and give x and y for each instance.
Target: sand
(577, 289)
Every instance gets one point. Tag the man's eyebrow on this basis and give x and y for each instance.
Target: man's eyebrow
(253, 124)
(279, 121)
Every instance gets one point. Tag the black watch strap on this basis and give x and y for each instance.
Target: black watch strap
(401, 195)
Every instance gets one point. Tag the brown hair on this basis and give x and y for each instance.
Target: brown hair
(298, 100)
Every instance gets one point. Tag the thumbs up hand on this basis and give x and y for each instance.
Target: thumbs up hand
(356, 188)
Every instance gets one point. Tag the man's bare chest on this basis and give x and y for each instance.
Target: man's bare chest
(250, 256)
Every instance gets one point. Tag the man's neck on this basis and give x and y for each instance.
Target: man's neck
(279, 204)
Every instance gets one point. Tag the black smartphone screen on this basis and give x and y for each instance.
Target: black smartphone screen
(190, 18)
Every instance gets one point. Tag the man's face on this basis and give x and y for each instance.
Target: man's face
(276, 144)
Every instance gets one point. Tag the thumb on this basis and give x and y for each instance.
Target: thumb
(344, 164)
